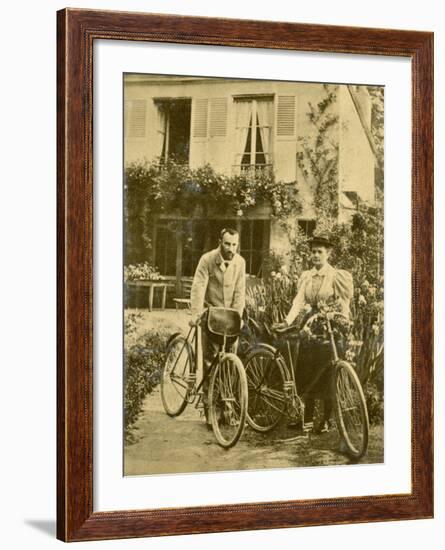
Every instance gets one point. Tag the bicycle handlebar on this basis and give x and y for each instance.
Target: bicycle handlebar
(284, 330)
(308, 323)
(328, 315)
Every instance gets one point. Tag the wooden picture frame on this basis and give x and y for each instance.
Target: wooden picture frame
(77, 31)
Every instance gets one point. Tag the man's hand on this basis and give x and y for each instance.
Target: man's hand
(194, 321)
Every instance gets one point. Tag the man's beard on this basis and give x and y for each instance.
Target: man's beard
(227, 255)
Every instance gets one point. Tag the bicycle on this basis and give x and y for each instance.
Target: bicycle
(273, 390)
(227, 391)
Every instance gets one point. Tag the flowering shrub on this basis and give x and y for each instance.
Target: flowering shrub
(143, 271)
(153, 188)
(131, 321)
(143, 360)
(374, 403)
(171, 186)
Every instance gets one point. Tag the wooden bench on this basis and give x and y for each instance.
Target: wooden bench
(151, 286)
(184, 299)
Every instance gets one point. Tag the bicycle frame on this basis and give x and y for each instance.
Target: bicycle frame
(194, 337)
(276, 388)
(290, 385)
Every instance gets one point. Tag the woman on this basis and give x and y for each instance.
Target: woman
(321, 284)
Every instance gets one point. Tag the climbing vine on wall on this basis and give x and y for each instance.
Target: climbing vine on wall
(318, 156)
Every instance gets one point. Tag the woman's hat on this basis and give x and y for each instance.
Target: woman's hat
(321, 240)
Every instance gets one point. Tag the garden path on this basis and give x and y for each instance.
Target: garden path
(183, 444)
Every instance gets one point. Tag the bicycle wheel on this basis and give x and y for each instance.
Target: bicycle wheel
(351, 410)
(174, 381)
(228, 400)
(267, 401)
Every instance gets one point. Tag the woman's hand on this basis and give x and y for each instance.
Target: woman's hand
(280, 326)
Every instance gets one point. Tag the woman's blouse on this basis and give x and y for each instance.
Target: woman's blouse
(320, 285)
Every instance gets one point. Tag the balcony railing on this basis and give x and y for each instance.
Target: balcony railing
(251, 169)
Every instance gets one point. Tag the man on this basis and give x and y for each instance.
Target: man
(220, 281)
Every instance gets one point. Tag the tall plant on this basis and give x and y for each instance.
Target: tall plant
(359, 248)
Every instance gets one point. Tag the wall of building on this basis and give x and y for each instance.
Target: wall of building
(213, 134)
(357, 161)
(290, 108)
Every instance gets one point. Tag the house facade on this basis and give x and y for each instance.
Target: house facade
(236, 125)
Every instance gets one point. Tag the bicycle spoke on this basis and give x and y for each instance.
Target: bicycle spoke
(351, 409)
(256, 372)
(174, 381)
(267, 400)
(179, 382)
(228, 406)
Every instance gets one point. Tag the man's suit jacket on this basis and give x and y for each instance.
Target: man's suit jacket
(214, 287)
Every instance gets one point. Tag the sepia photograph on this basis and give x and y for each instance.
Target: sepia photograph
(253, 274)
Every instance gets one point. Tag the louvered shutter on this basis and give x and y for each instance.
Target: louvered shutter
(286, 116)
(218, 117)
(135, 118)
(200, 118)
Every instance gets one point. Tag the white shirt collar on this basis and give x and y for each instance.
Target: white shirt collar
(222, 262)
(321, 272)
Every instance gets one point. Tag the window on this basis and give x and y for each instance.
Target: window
(307, 226)
(253, 133)
(255, 237)
(194, 243)
(165, 248)
(174, 117)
